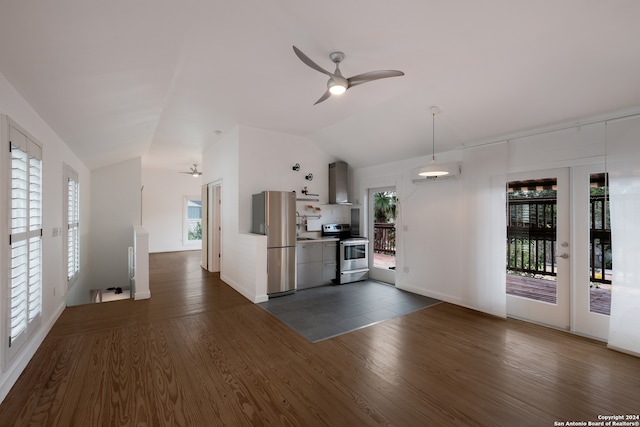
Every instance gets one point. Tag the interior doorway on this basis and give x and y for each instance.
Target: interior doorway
(382, 232)
(212, 229)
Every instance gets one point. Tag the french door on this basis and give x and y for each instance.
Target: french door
(538, 248)
(592, 261)
(559, 263)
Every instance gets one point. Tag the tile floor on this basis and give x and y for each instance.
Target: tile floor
(327, 311)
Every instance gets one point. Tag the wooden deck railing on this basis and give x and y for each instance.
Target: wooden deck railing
(600, 237)
(384, 238)
(531, 237)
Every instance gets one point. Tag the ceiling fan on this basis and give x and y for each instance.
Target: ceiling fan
(337, 84)
(194, 172)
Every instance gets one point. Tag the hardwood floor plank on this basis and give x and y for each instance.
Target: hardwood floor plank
(199, 354)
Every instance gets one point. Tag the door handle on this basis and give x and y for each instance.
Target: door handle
(564, 255)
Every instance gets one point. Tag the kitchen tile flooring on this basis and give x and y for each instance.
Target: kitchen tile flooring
(327, 311)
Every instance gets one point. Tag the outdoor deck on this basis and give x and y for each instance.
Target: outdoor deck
(384, 261)
(545, 290)
(528, 287)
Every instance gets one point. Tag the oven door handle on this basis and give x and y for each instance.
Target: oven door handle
(354, 243)
(358, 270)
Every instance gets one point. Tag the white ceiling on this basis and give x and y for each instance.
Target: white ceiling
(157, 78)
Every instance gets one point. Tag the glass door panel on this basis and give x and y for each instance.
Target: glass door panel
(531, 239)
(382, 218)
(600, 257)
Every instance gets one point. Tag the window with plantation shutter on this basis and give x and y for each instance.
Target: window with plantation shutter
(72, 213)
(25, 236)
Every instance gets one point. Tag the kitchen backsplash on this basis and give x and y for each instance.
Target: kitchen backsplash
(312, 215)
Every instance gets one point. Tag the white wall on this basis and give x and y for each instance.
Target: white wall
(451, 233)
(247, 161)
(115, 210)
(266, 162)
(163, 208)
(429, 227)
(55, 153)
(220, 164)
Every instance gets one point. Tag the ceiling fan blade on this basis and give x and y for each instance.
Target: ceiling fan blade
(304, 58)
(326, 95)
(373, 75)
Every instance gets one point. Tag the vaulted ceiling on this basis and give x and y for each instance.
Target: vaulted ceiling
(162, 79)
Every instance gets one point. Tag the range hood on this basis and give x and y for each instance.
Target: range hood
(339, 183)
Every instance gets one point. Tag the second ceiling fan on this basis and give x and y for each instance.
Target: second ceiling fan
(337, 83)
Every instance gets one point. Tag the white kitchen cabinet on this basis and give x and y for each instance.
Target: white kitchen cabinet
(329, 261)
(316, 263)
(309, 251)
(309, 263)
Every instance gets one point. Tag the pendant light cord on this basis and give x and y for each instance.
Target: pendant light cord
(433, 137)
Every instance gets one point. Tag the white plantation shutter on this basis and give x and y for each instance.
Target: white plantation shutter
(25, 278)
(73, 224)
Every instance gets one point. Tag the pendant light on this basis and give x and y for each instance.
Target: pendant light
(433, 170)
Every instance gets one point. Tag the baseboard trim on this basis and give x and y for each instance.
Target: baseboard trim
(22, 359)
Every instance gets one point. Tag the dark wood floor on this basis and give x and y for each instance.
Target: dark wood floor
(199, 354)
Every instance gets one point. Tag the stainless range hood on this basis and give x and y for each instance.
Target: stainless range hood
(339, 183)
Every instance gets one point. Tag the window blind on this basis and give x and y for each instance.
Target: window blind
(25, 282)
(73, 225)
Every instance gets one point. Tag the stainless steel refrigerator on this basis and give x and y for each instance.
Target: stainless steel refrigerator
(274, 215)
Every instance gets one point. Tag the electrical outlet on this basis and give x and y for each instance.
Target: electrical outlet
(54, 292)
(405, 228)
(405, 269)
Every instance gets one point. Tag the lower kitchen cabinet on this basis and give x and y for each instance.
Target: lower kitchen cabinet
(316, 263)
(329, 263)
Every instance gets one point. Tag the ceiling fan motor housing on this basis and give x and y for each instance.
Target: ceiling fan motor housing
(336, 57)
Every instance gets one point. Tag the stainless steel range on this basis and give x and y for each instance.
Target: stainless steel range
(353, 259)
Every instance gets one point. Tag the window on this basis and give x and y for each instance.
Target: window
(72, 214)
(193, 226)
(25, 238)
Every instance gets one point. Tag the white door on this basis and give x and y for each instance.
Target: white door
(382, 234)
(592, 255)
(204, 198)
(215, 228)
(538, 247)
